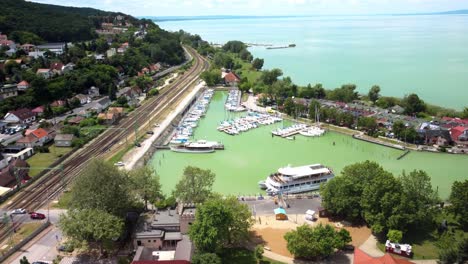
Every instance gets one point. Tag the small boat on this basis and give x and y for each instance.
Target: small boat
(262, 185)
(289, 138)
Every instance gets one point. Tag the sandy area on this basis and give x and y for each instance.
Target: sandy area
(131, 157)
(271, 232)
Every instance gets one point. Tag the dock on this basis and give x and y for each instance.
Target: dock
(289, 131)
(403, 155)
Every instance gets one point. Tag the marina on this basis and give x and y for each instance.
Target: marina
(233, 101)
(249, 158)
(245, 123)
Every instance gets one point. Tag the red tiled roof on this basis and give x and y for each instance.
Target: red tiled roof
(75, 120)
(27, 139)
(360, 257)
(39, 109)
(7, 175)
(23, 83)
(231, 77)
(58, 103)
(456, 132)
(56, 66)
(22, 113)
(40, 133)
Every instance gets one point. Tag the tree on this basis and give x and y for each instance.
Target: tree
(91, 225)
(464, 114)
(268, 77)
(102, 186)
(195, 185)
(459, 202)
(24, 260)
(257, 63)
(258, 252)
(368, 124)
(413, 105)
(234, 46)
(245, 55)
(206, 258)
(310, 243)
(395, 235)
(289, 107)
(212, 77)
(219, 223)
(345, 94)
(374, 93)
(146, 184)
(314, 108)
(419, 198)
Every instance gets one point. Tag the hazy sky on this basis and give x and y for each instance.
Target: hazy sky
(264, 7)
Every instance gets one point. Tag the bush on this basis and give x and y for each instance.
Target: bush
(153, 92)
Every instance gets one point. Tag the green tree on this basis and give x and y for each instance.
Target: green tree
(459, 202)
(419, 198)
(146, 184)
(24, 260)
(289, 107)
(257, 63)
(413, 105)
(374, 93)
(368, 124)
(212, 77)
(102, 186)
(245, 55)
(223, 60)
(345, 94)
(219, 223)
(195, 185)
(234, 46)
(206, 258)
(258, 252)
(268, 77)
(464, 114)
(311, 243)
(91, 225)
(395, 235)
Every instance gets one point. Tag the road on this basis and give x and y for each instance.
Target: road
(40, 192)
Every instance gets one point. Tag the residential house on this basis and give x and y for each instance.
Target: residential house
(75, 120)
(123, 48)
(7, 91)
(132, 94)
(459, 135)
(101, 104)
(45, 73)
(58, 103)
(36, 54)
(93, 92)
(57, 48)
(23, 86)
(397, 110)
(360, 257)
(155, 67)
(37, 137)
(84, 99)
(111, 52)
(450, 122)
(68, 67)
(3, 37)
(5, 42)
(17, 152)
(56, 68)
(63, 140)
(117, 111)
(84, 113)
(22, 116)
(107, 118)
(28, 47)
(231, 79)
(439, 136)
(38, 111)
(16, 170)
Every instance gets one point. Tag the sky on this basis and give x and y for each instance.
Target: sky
(264, 7)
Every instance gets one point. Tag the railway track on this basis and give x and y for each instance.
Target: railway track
(50, 185)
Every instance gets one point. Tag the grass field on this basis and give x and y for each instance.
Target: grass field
(246, 70)
(244, 256)
(44, 160)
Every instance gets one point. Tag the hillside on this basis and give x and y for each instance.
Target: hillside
(51, 22)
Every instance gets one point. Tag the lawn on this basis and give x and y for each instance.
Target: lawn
(43, 160)
(119, 155)
(247, 70)
(24, 231)
(63, 201)
(244, 256)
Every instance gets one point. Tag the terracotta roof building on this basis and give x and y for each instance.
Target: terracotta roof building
(360, 257)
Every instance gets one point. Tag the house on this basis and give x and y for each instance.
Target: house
(123, 47)
(155, 67)
(22, 86)
(28, 47)
(57, 48)
(7, 91)
(38, 111)
(360, 257)
(93, 92)
(56, 68)
(22, 115)
(182, 254)
(107, 118)
(101, 104)
(459, 135)
(280, 214)
(231, 79)
(16, 170)
(63, 140)
(17, 152)
(111, 52)
(440, 137)
(45, 73)
(84, 113)
(58, 103)
(75, 120)
(37, 137)
(36, 54)
(84, 99)
(117, 111)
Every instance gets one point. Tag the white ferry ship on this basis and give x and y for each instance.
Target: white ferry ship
(297, 179)
(201, 146)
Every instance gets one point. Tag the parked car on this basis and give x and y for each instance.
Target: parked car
(19, 211)
(40, 262)
(150, 132)
(119, 164)
(37, 216)
(138, 144)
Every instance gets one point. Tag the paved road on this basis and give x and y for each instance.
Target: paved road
(296, 206)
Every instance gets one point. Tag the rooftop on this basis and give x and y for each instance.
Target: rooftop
(150, 234)
(303, 170)
(165, 218)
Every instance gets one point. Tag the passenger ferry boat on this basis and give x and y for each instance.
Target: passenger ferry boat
(201, 146)
(296, 179)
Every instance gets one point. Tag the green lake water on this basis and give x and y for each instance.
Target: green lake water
(252, 155)
(423, 54)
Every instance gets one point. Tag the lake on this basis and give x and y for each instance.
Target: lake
(423, 54)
